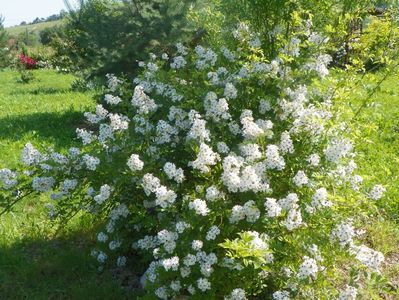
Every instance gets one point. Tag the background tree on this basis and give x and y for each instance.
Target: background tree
(109, 36)
(3, 44)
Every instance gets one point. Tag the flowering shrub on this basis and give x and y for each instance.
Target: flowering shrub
(27, 62)
(222, 165)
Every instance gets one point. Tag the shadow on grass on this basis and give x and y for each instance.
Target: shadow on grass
(57, 127)
(60, 268)
(41, 91)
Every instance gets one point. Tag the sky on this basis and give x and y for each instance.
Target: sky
(16, 11)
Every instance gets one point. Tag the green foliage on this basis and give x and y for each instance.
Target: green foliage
(108, 36)
(377, 44)
(4, 56)
(334, 19)
(25, 76)
(48, 34)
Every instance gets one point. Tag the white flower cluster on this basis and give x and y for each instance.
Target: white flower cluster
(42, 184)
(164, 196)
(142, 102)
(249, 211)
(173, 173)
(105, 193)
(199, 206)
(205, 159)
(134, 163)
(308, 268)
(31, 156)
(8, 178)
(377, 192)
(349, 293)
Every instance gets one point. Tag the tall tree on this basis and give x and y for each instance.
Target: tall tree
(3, 44)
(110, 36)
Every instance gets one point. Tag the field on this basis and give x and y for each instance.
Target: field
(33, 28)
(34, 262)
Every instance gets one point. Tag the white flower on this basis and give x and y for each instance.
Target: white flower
(314, 160)
(86, 136)
(173, 173)
(281, 295)
(171, 263)
(198, 130)
(175, 285)
(369, 257)
(337, 150)
(105, 193)
(308, 268)
(197, 245)
(230, 92)
(43, 184)
(121, 261)
(264, 106)
(272, 207)
(212, 233)
(113, 82)
(236, 294)
(114, 245)
(8, 178)
(164, 197)
(113, 100)
(205, 158)
(300, 179)
(134, 163)
(203, 284)
(273, 158)
(294, 219)
(31, 156)
(237, 214)
(161, 293)
(101, 257)
(142, 102)
(377, 192)
(286, 144)
(102, 237)
(178, 62)
(343, 233)
(349, 293)
(212, 193)
(319, 199)
(91, 162)
(199, 206)
(223, 148)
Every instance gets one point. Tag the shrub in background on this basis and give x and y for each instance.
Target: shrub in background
(220, 165)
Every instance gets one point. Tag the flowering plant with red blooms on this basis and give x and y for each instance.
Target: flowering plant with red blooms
(27, 61)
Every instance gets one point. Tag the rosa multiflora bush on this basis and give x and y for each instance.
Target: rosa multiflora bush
(222, 170)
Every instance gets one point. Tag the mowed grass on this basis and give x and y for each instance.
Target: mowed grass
(34, 262)
(376, 135)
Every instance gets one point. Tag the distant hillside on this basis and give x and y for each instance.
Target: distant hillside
(32, 28)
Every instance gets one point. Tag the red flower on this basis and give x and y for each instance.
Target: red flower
(27, 61)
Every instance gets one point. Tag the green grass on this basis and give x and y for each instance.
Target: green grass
(34, 263)
(376, 136)
(33, 28)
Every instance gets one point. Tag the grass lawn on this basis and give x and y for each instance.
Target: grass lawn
(376, 135)
(35, 264)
